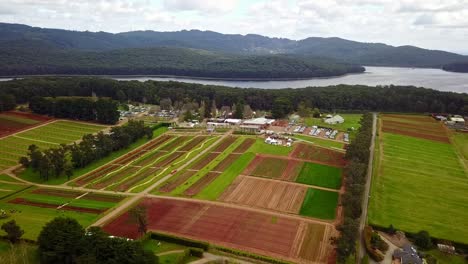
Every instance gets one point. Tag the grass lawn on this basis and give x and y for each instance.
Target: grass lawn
(159, 246)
(217, 187)
(351, 120)
(321, 142)
(419, 185)
(261, 147)
(443, 258)
(320, 204)
(460, 140)
(10, 188)
(31, 176)
(13, 120)
(320, 175)
(172, 258)
(4, 177)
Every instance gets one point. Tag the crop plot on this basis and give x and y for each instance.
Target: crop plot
(202, 183)
(244, 146)
(11, 122)
(49, 135)
(267, 167)
(274, 195)
(260, 233)
(224, 144)
(225, 163)
(170, 186)
(415, 126)
(319, 203)
(32, 208)
(419, 182)
(318, 155)
(320, 175)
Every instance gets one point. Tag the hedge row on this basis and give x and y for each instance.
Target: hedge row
(373, 253)
(181, 241)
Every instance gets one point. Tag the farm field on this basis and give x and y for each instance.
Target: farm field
(419, 182)
(246, 230)
(318, 155)
(53, 134)
(33, 207)
(321, 142)
(11, 122)
(146, 164)
(320, 204)
(320, 175)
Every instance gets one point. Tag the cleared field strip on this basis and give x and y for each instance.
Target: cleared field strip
(46, 136)
(318, 154)
(274, 195)
(123, 160)
(209, 167)
(415, 126)
(293, 170)
(256, 232)
(419, 183)
(11, 122)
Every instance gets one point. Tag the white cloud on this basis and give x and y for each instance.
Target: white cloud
(201, 5)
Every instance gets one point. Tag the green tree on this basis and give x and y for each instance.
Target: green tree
(139, 216)
(13, 231)
(422, 239)
(239, 110)
(61, 241)
(281, 107)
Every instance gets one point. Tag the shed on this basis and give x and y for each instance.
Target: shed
(337, 119)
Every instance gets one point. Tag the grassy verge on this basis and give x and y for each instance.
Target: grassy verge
(321, 142)
(443, 258)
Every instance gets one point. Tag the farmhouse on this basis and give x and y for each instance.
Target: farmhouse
(407, 255)
(337, 119)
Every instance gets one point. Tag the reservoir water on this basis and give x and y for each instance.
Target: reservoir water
(429, 78)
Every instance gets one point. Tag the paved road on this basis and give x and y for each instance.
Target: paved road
(365, 201)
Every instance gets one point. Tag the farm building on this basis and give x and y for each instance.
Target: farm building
(261, 121)
(250, 128)
(337, 119)
(407, 255)
(233, 121)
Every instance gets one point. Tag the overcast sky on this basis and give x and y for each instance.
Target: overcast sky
(429, 24)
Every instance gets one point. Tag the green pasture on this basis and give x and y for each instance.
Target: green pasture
(321, 142)
(4, 177)
(460, 140)
(350, 120)
(320, 175)
(260, 147)
(7, 189)
(420, 185)
(320, 204)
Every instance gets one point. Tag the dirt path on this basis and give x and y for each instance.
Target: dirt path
(365, 201)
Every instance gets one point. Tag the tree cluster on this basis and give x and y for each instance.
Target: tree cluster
(64, 241)
(332, 98)
(13, 231)
(7, 102)
(78, 108)
(59, 161)
(357, 155)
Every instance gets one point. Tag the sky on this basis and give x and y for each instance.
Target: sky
(432, 24)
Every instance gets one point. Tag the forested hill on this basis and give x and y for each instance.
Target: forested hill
(457, 67)
(41, 60)
(335, 48)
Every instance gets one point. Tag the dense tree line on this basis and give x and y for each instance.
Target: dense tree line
(64, 241)
(456, 67)
(339, 97)
(7, 102)
(357, 155)
(102, 110)
(56, 162)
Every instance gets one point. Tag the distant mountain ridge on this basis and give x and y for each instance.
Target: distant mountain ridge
(16, 39)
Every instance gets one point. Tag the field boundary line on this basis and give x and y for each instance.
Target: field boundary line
(290, 183)
(37, 140)
(30, 128)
